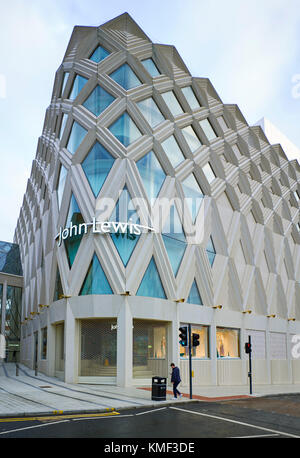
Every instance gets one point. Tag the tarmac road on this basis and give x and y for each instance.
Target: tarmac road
(265, 417)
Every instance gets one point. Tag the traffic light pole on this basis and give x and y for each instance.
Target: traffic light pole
(250, 366)
(190, 360)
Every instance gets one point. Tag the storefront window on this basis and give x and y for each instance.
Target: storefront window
(44, 343)
(228, 343)
(202, 351)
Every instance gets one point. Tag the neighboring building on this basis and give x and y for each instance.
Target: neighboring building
(128, 124)
(11, 283)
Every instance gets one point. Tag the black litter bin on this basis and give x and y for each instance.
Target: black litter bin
(159, 388)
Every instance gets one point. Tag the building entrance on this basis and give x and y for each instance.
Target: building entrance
(98, 350)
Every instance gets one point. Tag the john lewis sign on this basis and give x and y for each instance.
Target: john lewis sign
(101, 227)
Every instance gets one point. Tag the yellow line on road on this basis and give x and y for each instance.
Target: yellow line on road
(58, 417)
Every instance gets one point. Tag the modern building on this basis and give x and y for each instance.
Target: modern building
(152, 205)
(11, 284)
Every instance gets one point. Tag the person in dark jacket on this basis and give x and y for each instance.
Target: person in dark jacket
(175, 379)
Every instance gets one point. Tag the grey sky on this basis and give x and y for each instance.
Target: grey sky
(250, 50)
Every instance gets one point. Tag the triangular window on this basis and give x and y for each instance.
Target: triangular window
(76, 136)
(152, 174)
(124, 238)
(97, 166)
(150, 66)
(74, 218)
(98, 100)
(58, 289)
(125, 130)
(78, 84)
(99, 54)
(211, 251)
(194, 296)
(95, 281)
(151, 285)
(174, 239)
(125, 77)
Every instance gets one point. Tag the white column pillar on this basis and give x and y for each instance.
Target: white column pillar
(70, 347)
(124, 344)
(213, 354)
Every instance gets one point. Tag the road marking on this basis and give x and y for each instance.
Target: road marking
(102, 418)
(31, 427)
(150, 411)
(58, 417)
(255, 436)
(236, 422)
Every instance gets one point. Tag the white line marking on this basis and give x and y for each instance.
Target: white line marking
(236, 422)
(102, 418)
(35, 426)
(255, 436)
(150, 411)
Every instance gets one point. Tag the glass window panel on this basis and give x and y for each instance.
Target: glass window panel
(78, 84)
(61, 184)
(65, 80)
(194, 296)
(173, 151)
(191, 98)
(95, 281)
(151, 284)
(173, 227)
(193, 194)
(124, 211)
(202, 351)
(151, 67)
(211, 251)
(125, 130)
(74, 218)
(228, 343)
(76, 136)
(191, 138)
(209, 173)
(13, 316)
(207, 129)
(98, 100)
(151, 173)
(44, 343)
(63, 125)
(125, 77)
(10, 261)
(172, 103)
(1, 294)
(99, 54)
(58, 289)
(151, 112)
(97, 166)
(174, 239)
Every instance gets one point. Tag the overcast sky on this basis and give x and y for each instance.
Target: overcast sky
(250, 51)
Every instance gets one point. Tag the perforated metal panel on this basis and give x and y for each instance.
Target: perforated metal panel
(98, 350)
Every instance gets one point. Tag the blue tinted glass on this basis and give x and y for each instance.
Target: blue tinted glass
(172, 103)
(98, 100)
(77, 135)
(193, 194)
(99, 54)
(150, 111)
(78, 84)
(65, 80)
(191, 138)
(10, 261)
(211, 252)
(173, 151)
(61, 184)
(151, 173)
(151, 67)
(58, 289)
(125, 77)
(124, 240)
(74, 218)
(194, 296)
(95, 281)
(125, 130)
(97, 166)
(174, 239)
(190, 97)
(63, 125)
(151, 285)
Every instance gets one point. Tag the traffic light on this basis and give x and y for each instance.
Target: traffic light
(195, 340)
(183, 336)
(248, 347)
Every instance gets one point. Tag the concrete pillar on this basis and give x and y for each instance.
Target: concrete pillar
(70, 347)
(124, 344)
(213, 354)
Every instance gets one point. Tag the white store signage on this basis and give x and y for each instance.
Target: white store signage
(101, 227)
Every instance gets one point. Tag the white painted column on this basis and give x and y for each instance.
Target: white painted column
(124, 344)
(70, 347)
(213, 354)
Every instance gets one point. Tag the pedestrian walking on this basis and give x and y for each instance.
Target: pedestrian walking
(175, 379)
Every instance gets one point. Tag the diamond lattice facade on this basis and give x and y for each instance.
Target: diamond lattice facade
(203, 230)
